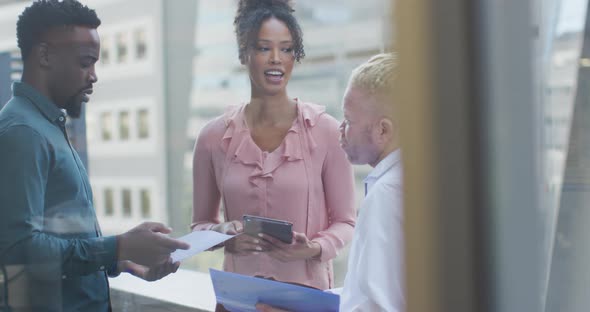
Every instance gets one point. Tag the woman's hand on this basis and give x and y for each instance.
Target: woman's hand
(229, 228)
(247, 245)
(241, 244)
(300, 249)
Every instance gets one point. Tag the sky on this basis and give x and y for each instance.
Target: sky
(572, 14)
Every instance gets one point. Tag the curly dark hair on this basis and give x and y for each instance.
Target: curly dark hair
(252, 13)
(44, 15)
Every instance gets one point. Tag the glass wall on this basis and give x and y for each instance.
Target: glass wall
(566, 151)
(129, 120)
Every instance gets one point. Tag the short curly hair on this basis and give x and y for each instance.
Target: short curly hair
(252, 13)
(376, 75)
(44, 15)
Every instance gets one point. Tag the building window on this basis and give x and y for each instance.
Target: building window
(105, 51)
(143, 124)
(91, 127)
(146, 204)
(121, 47)
(109, 202)
(140, 44)
(106, 126)
(124, 125)
(126, 201)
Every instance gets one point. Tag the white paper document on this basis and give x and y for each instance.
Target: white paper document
(199, 242)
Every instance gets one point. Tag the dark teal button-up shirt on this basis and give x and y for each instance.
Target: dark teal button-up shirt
(48, 225)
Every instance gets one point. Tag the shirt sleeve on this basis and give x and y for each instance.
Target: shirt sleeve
(25, 163)
(206, 195)
(338, 181)
(381, 277)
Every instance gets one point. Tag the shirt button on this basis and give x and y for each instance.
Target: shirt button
(101, 268)
(61, 118)
(63, 277)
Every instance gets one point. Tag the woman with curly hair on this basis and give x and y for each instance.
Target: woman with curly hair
(277, 157)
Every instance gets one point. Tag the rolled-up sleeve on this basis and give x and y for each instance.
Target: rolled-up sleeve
(26, 158)
(338, 181)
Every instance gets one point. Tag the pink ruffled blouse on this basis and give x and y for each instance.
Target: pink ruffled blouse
(307, 180)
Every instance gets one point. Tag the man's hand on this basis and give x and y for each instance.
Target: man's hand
(147, 245)
(266, 308)
(149, 274)
(301, 248)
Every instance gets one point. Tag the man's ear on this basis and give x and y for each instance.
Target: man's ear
(42, 51)
(387, 130)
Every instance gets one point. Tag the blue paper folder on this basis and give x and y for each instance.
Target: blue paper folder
(241, 293)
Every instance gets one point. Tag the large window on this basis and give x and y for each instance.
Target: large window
(565, 149)
(144, 54)
(144, 101)
(338, 35)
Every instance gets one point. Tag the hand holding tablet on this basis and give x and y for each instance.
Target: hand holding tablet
(282, 230)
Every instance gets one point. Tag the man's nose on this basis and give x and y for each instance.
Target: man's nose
(93, 76)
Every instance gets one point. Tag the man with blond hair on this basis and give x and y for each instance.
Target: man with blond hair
(369, 135)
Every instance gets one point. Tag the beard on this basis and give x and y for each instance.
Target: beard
(74, 107)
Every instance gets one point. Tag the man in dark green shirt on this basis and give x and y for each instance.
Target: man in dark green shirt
(48, 225)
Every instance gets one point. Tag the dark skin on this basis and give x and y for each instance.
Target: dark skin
(62, 67)
(271, 112)
(269, 116)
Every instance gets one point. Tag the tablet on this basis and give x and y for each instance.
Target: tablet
(282, 230)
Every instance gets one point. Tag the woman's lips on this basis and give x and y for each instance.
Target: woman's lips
(274, 76)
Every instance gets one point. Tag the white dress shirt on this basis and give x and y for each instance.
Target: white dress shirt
(375, 280)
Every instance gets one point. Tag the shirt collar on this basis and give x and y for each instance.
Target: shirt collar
(308, 113)
(45, 105)
(384, 165)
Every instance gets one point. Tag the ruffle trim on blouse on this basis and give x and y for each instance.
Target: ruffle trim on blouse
(249, 154)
